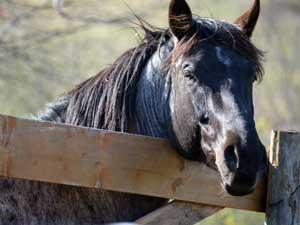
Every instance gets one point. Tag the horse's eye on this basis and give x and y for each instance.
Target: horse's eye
(187, 69)
(188, 74)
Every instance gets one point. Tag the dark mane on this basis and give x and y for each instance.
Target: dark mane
(105, 100)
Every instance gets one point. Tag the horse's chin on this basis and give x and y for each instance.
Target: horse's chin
(238, 191)
(233, 185)
(234, 191)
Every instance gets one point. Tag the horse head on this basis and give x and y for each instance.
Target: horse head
(213, 66)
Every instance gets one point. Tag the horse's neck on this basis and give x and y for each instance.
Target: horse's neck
(151, 109)
(150, 119)
(152, 96)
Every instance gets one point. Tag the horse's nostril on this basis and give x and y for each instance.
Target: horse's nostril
(204, 120)
(231, 158)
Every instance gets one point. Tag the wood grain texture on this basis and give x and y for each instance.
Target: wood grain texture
(178, 213)
(284, 180)
(58, 153)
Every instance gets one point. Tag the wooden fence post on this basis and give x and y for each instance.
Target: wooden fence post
(283, 204)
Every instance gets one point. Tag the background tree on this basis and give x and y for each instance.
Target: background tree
(44, 52)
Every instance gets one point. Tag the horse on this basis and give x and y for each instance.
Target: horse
(191, 84)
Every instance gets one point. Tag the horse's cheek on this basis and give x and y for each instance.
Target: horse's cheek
(183, 121)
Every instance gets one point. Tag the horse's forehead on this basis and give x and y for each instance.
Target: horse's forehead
(223, 57)
(231, 59)
(216, 54)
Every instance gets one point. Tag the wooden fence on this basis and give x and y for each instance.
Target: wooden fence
(58, 153)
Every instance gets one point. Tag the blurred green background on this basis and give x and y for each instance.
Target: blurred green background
(44, 53)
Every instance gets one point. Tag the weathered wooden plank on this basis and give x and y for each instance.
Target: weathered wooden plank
(58, 153)
(284, 179)
(178, 213)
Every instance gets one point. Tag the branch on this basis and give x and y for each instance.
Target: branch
(32, 39)
(58, 5)
(16, 21)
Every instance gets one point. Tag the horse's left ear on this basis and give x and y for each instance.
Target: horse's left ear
(180, 18)
(248, 20)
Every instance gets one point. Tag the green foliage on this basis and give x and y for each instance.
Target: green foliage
(234, 217)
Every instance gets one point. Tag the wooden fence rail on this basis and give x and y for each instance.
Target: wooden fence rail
(63, 154)
(58, 153)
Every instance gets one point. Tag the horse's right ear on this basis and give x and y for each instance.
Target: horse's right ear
(180, 18)
(248, 20)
